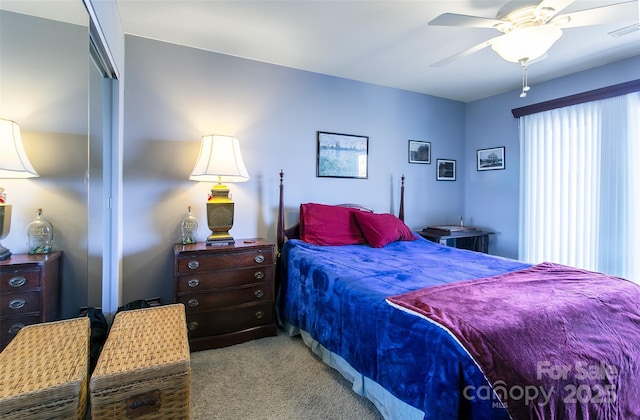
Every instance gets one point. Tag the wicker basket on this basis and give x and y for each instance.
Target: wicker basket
(43, 371)
(144, 369)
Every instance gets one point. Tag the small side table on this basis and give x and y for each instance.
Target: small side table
(472, 239)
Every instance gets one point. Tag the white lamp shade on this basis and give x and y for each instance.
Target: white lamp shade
(13, 159)
(526, 43)
(219, 160)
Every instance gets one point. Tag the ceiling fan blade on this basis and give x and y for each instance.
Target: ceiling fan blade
(454, 19)
(620, 12)
(550, 8)
(464, 53)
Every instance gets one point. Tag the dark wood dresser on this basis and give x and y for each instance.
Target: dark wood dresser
(29, 292)
(228, 291)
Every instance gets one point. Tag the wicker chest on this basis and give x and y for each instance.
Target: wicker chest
(43, 372)
(144, 368)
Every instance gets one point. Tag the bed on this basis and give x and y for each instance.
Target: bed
(428, 331)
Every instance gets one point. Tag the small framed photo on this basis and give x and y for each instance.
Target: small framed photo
(445, 170)
(342, 155)
(491, 159)
(419, 151)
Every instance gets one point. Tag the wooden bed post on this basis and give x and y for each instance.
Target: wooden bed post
(401, 212)
(280, 233)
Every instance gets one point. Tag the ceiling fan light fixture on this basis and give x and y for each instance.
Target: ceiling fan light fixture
(526, 43)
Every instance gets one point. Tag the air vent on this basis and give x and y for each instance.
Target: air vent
(625, 31)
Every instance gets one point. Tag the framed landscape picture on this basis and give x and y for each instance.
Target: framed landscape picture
(491, 159)
(342, 155)
(445, 170)
(419, 151)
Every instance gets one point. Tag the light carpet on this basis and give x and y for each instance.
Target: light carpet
(271, 378)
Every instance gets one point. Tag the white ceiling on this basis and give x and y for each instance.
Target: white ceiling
(385, 42)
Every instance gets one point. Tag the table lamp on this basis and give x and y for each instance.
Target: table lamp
(219, 161)
(13, 164)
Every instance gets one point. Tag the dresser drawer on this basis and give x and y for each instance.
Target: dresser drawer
(13, 304)
(202, 302)
(224, 279)
(9, 327)
(200, 263)
(229, 320)
(19, 280)
(29, 292)
(228, 291)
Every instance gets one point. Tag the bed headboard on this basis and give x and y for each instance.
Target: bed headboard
(294, 231)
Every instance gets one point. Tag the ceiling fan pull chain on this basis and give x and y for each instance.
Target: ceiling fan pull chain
(525, 83)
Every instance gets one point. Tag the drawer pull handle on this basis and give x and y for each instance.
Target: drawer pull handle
(17, 304)
(258, 274)
(259, 314)
(193, 282)
(258, 293)
(17, 281)
(193, 264)
(15, 328)
(193, 302)
(193, 325)
(259, 259)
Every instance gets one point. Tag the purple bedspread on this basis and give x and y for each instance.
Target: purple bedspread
(555, 342)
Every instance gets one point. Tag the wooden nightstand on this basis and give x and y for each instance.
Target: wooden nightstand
(29, 292)
(228, 291)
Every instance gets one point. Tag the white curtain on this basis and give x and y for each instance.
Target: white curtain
(580, 186)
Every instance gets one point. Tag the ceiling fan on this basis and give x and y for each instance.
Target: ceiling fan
(529, 28)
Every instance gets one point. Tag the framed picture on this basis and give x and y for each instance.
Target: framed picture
(342, 155)
(446, 170)
(491, 159)
(419, 151)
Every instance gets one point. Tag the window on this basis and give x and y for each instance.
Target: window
(580, 186)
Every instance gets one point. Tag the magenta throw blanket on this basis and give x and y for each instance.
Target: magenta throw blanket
(554, 342)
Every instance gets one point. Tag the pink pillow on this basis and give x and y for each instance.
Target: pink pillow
(382, 229)
(321, 224)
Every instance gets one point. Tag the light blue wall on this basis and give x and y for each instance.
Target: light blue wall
(175, 94)
(492, 197)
